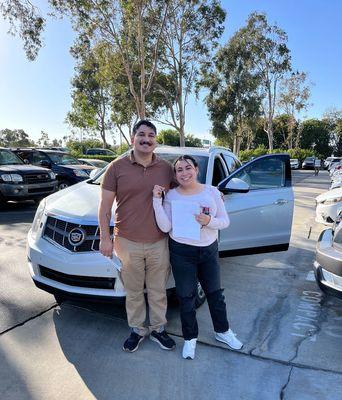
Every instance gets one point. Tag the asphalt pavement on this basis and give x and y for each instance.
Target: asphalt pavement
(291, 330)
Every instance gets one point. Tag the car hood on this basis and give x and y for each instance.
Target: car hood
(331, 194)
(78, 166)
(22, 168)
(78, 203)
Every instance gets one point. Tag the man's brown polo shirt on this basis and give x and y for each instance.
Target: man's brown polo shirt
(133, 184)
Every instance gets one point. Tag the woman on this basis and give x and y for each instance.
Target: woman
(194, 260)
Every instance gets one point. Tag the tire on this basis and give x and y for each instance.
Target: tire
(2, 201)
(200, 296)
(63, 185)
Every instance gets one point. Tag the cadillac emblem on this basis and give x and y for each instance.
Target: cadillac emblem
(77, 236)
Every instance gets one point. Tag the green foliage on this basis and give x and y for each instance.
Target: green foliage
(78, 148)
(191, 32)
(15, 138)
(170, 137)
(316, 134)
(25, 20)
(301, 154)
(121, 149)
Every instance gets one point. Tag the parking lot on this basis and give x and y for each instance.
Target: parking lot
(292, 332)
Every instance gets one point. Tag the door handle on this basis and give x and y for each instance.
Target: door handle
(279, 202)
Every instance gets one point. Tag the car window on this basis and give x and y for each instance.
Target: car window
(9, 158)
(231, 163)
(265, 173)
(63, 159)
(219, 174)
(201, 160)
(37, 157)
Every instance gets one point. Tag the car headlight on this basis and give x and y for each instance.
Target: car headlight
(332, 201)
(12, 178)
(38, 218)
(52, 175)
(81, 173)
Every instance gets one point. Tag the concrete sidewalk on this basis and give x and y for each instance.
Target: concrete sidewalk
(70, 353)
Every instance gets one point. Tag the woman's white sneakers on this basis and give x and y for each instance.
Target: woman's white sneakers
(189, 348)
(229, 339)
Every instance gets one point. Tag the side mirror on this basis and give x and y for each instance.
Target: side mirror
(234, 185)
(94, 172)
(26, 161)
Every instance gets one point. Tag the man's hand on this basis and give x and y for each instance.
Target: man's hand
(106, 247)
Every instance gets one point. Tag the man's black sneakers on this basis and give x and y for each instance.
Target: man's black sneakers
(163, 339)
(132, 342)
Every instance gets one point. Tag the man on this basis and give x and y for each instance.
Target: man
(141, 246)
(317, 165)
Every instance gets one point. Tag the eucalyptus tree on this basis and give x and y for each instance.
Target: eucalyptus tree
(26, 20)
(294, 98)
(191, 32)
(133, 28)
(271, 60)
(233, 101)
(91, 91)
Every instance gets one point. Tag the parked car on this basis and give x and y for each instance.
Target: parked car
(295, 164)
(63, 243)
(336, 179)
(335, 166)
(309, 163)
(67, 168)
(93, 162)
(328, 264)
(100, 152)
(328, 205)
(330, 160)
(20, 181)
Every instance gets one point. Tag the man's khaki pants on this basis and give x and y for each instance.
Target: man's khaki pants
(144, 263)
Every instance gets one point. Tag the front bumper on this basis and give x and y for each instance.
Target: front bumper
(18, 191)
(59, 271)
(328, 265)
(326, 214)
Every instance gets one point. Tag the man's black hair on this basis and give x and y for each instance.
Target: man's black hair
(144, 122)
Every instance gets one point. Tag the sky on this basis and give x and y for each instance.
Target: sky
(36, 95)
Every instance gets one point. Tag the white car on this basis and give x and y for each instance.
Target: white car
(328, 205)
(295, 164)
(63, 241)
(330, 161)
(328, 264)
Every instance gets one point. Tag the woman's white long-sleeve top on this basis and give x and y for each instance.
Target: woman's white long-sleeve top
(209, 197)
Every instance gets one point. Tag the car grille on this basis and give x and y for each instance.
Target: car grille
(58, 231)
(37, 178)
(77, 280)
(41, 190)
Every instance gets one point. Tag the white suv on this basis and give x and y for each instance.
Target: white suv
(63, 242)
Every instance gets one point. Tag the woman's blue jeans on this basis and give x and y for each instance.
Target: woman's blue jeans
(192, 264)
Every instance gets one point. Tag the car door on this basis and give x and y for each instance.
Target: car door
(261, 219)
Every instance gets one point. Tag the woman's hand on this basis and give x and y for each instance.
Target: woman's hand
(158, 191)
(203, 219)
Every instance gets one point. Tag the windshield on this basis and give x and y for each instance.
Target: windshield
(309, 158)
(201, 160)
(63, 159)
(9, 158)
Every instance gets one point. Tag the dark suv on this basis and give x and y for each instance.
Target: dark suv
(67, 168)
(19, 181)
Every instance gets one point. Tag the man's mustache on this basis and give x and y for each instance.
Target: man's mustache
(145, 142)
